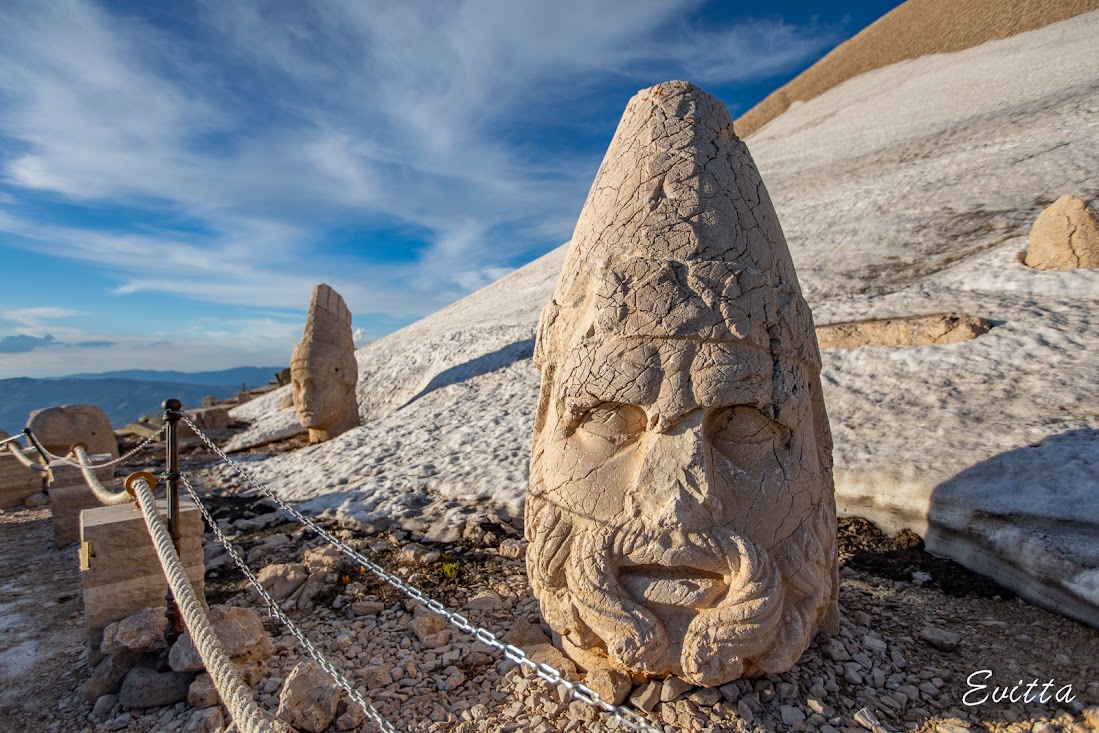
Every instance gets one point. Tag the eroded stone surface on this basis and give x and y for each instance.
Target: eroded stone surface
(240, 632)
(309, 698)
(680, 513)
(58, 427)
(323, 369)
(934, 328)
(142, 632)
(1065, 236)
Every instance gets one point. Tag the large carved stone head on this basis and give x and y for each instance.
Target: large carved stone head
(681, 514)
(323, 370)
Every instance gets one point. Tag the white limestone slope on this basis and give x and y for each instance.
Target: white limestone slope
(907, 190)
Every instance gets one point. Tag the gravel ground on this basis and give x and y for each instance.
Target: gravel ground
(915, 629)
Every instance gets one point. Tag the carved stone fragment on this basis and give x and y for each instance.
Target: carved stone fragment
(680, 514)
(323, 369)
(1065, 236)
(58, 427)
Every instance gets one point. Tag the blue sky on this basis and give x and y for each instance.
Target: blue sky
(175, 177)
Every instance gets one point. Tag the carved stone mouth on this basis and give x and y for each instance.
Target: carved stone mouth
(673, 586)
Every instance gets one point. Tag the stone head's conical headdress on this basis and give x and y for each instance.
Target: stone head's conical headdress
(328, 330)
(678, 239)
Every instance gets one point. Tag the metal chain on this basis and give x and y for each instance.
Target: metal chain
(112, 462)
(275, 611)
(513, 653)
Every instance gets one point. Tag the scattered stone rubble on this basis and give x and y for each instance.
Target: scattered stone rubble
(882, 669)
(899, 662)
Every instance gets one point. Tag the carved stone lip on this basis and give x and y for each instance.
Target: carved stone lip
(673, 586)
(682, 554)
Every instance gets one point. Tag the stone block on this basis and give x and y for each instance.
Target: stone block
(120, 570)
(69, 495)
(17, 482)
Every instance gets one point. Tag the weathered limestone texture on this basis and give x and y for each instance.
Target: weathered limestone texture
(119, 569)
(323, 369)
(17, 482)
(936, 328)
(680, 514)
(70, 495)
(1065, 236)
(58, 427)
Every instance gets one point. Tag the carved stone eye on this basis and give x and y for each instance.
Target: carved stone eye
(613, 422)
(743, 425)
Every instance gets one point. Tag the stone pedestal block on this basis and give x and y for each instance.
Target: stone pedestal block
(69, 495)
(119, 567)
(17, 482)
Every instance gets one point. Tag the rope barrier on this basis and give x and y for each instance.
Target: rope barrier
(105, 496)
(234, 693)
(278, 613)
(14, 448)
(544, 671)
(144, 444)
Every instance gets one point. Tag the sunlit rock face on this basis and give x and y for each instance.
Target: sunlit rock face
(680, 514)
(323, 370)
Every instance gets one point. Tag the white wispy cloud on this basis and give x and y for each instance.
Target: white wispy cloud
(269, 124)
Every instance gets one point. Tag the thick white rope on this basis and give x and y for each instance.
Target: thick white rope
(249, 717)
(579, 691)
(274, 610)
(105, 496)
(14, 448)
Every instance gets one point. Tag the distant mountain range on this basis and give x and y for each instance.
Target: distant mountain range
(124, 395)
(250, 376)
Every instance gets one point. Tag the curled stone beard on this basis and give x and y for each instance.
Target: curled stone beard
(762, 623)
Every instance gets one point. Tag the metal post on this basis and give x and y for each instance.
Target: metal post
(173, 410)
(47, 477)
(37, 446)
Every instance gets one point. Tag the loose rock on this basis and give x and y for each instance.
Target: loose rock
(142, 632)
(309, 698)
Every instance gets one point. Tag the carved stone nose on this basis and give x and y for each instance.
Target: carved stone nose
(674, 486)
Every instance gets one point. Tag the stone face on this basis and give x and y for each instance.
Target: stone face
(681, 515)
(323, 369)
(57, 428)
(1064, 237)
(309, 698)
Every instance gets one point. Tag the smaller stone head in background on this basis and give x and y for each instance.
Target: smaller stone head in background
(323, 370)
